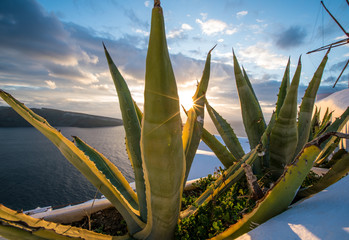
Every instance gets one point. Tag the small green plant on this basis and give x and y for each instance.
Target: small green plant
(218, 214)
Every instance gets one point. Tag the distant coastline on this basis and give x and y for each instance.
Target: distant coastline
(57, 118)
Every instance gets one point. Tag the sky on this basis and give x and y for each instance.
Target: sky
(51, 52)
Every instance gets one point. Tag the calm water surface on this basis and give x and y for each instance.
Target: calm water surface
(34, 173)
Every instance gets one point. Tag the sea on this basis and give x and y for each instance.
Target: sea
(33, 172)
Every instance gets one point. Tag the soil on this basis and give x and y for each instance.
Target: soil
(108, 221)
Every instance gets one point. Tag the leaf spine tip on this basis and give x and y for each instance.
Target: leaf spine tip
(212, 49)
(156, 3)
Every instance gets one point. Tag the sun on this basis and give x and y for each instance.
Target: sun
(185, 99)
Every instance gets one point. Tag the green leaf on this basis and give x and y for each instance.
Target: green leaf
(226, 132)
(336, 126)
(132, 130)
(324, 124)
(200, 93)
(315, 122)
(76, 157)
(249, 82)
(111, 172)
(284, 135)
(285, 83)
(307, 106)
(192, 129)
(16, 225)
(161, 139)
(337, 171)
(252, 115)
(139, 112)
(221, 152)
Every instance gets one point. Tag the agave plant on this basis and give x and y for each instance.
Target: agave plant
(160, 152)
(284, 151)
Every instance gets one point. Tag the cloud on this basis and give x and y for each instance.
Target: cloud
(147, 3)
(214, 26)
(261, 56)
(51, 84)
(338, 66)
(47, 40)
(186, 26)
(72, 73)
(291, 37)
(71, 61)
(144, 33)
(36, 46)
(179, 33)
(135, 20)
(241, 14)
(203, 16)
(231, 31)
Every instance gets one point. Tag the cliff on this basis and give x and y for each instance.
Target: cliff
(57, 118)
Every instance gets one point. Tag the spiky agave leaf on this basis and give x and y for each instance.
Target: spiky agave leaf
(337, 171)
(16, 225)
(111, 172)
(336, 126)
(221, 152)
(161, 139)
(76, 157)
(324, 123)
(284, 135)
(307, 105)
(132, 131)
(227, 133)
(285, 83)
(247, 79)
(315, 122)
(252, 115)
(192, 129)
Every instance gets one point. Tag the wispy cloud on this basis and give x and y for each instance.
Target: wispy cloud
(241, 14)
(140, 31)
(51, 84)
(203, 16)
(179, 33)
(263, 57)
(214, 26)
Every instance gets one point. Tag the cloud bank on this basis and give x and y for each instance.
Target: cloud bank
(45, 62)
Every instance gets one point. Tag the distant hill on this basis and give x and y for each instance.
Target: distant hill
(57, 118)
